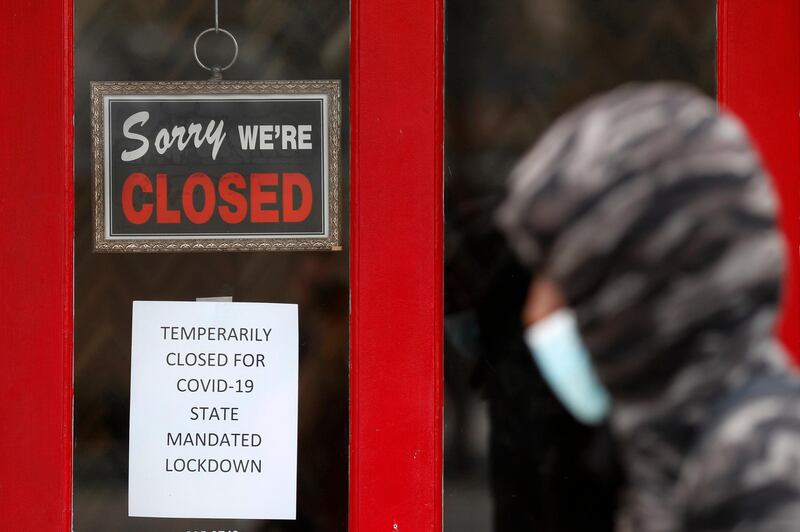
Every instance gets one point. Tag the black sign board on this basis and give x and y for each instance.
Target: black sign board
(216, 165)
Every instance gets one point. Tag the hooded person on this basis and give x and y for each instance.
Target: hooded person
(651, 214)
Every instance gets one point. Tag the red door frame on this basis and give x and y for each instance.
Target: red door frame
(396, 265)
(758, 62)
(36, 216)
(396, 310)
(396, 257)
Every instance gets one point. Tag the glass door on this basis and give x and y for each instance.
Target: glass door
(154, 41)
(370, 312)
(514, 457)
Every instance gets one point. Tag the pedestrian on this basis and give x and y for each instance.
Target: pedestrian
(647, 220)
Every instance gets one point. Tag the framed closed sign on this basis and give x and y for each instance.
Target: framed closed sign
(169, 384)
(216, 165)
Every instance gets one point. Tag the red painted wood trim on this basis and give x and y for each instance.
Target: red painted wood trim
(396, 456)
(396, 266)
(36, 217)
(759, 79)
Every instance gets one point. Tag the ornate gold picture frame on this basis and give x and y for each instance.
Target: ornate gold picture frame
(113, 233)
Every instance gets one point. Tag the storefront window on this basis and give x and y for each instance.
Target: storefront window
(514, 458)
(152, 41)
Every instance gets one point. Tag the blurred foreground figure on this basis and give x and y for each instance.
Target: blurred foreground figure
(647, 220)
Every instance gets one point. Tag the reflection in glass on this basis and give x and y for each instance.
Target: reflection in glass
(134, 40)
(514, 459)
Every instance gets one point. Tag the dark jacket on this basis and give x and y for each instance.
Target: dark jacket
(653, 212)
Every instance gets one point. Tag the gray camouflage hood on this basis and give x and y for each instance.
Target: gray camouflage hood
(651, 209)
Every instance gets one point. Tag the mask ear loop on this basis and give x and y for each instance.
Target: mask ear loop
(216, 71)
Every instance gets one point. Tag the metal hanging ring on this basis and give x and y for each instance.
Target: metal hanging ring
(217, 30)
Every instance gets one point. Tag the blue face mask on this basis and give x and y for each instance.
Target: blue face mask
(563, 361)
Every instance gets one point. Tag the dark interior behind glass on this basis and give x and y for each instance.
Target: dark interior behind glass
(152, 40)
(514, 459)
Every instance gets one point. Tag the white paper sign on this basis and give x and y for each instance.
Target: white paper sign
(213, 427)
